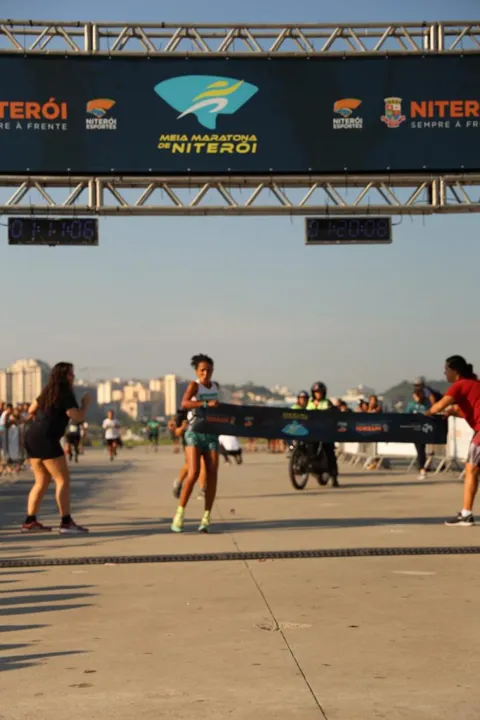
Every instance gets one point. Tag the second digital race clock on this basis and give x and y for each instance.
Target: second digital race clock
(348, 230)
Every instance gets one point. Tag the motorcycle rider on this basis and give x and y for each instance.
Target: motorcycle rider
(301, 404)
(302, 401)
(319, 401)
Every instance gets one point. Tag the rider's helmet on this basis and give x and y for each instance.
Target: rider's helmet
(303, 394)
(319, 387)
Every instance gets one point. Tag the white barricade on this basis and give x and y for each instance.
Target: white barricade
(389, 451)
(393, 449)
(459, 438)
(355, 452)
(456, 451)
(350, 448)
(349, 452)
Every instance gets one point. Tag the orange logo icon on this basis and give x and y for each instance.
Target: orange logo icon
(99, 107)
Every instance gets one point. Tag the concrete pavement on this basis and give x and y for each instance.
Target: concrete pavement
(346, 638)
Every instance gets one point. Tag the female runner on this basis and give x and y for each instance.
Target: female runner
(200, 393)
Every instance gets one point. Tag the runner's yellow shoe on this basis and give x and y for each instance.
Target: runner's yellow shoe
(177, 523)
(205, 523)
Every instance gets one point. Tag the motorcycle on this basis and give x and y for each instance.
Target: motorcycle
(302, 463)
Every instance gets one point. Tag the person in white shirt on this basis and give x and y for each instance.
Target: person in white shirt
(230, 447)
(111, 427)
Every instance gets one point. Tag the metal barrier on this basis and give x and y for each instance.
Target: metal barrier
(12, 447)
(354, 453)
(446, 458)
(459, 438)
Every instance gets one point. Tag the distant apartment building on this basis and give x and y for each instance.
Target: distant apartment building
(157, 396)
(136, 391)
(23, 381)
(156, 387)
(109, 391)
(104, 392)
(160, 396)
(174, 388)
(281, 390)
(136, 409)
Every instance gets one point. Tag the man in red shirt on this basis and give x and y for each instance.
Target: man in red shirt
(463, 399)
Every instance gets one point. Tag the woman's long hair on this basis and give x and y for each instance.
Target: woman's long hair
(56, 386)
(458, 364)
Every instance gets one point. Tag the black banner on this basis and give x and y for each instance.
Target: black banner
(150, 115)
(325, 426)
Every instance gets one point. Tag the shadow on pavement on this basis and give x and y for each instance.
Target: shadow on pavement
(408, 483)
(319, 523)
(120, 530)
(20, 572)
(98, 480)
(352, 488)
(86, 481)
(36, 600)
(52, 588)
(28, 602)
(19, 628)
(17, 662)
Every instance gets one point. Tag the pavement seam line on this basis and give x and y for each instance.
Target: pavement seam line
(285, 640)
(277, 624)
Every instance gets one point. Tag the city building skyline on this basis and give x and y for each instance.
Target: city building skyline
(23, 380)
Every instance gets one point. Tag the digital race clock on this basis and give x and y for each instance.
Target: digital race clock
(348, 230)
(52, 231)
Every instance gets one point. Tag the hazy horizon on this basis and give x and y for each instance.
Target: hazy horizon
(246, 290)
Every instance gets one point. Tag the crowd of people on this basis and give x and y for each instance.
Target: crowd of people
(13, 422)
(56, 413)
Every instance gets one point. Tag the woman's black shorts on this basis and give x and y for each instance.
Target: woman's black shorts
(41, 447)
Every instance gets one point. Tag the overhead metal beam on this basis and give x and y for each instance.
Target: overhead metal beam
(214, 39)
(272, 195)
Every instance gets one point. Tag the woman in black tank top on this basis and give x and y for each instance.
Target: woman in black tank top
(50, 414)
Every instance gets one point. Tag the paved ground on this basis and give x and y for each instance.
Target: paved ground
(345, 639)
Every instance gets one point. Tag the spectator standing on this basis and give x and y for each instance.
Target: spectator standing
(51, 413)
(421, 402)
(420, 385)
(463, 399)
(374, 406)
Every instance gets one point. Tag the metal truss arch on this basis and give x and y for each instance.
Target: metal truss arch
(272, 195)
(235, 39)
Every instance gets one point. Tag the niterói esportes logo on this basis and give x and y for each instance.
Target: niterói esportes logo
(100, 108)
(345, 108)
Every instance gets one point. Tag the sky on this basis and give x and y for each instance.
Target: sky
(246, 290)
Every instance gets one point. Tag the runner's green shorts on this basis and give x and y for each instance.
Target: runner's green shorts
(203, 441)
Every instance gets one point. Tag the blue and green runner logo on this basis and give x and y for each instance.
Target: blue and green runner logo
(205, 96)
